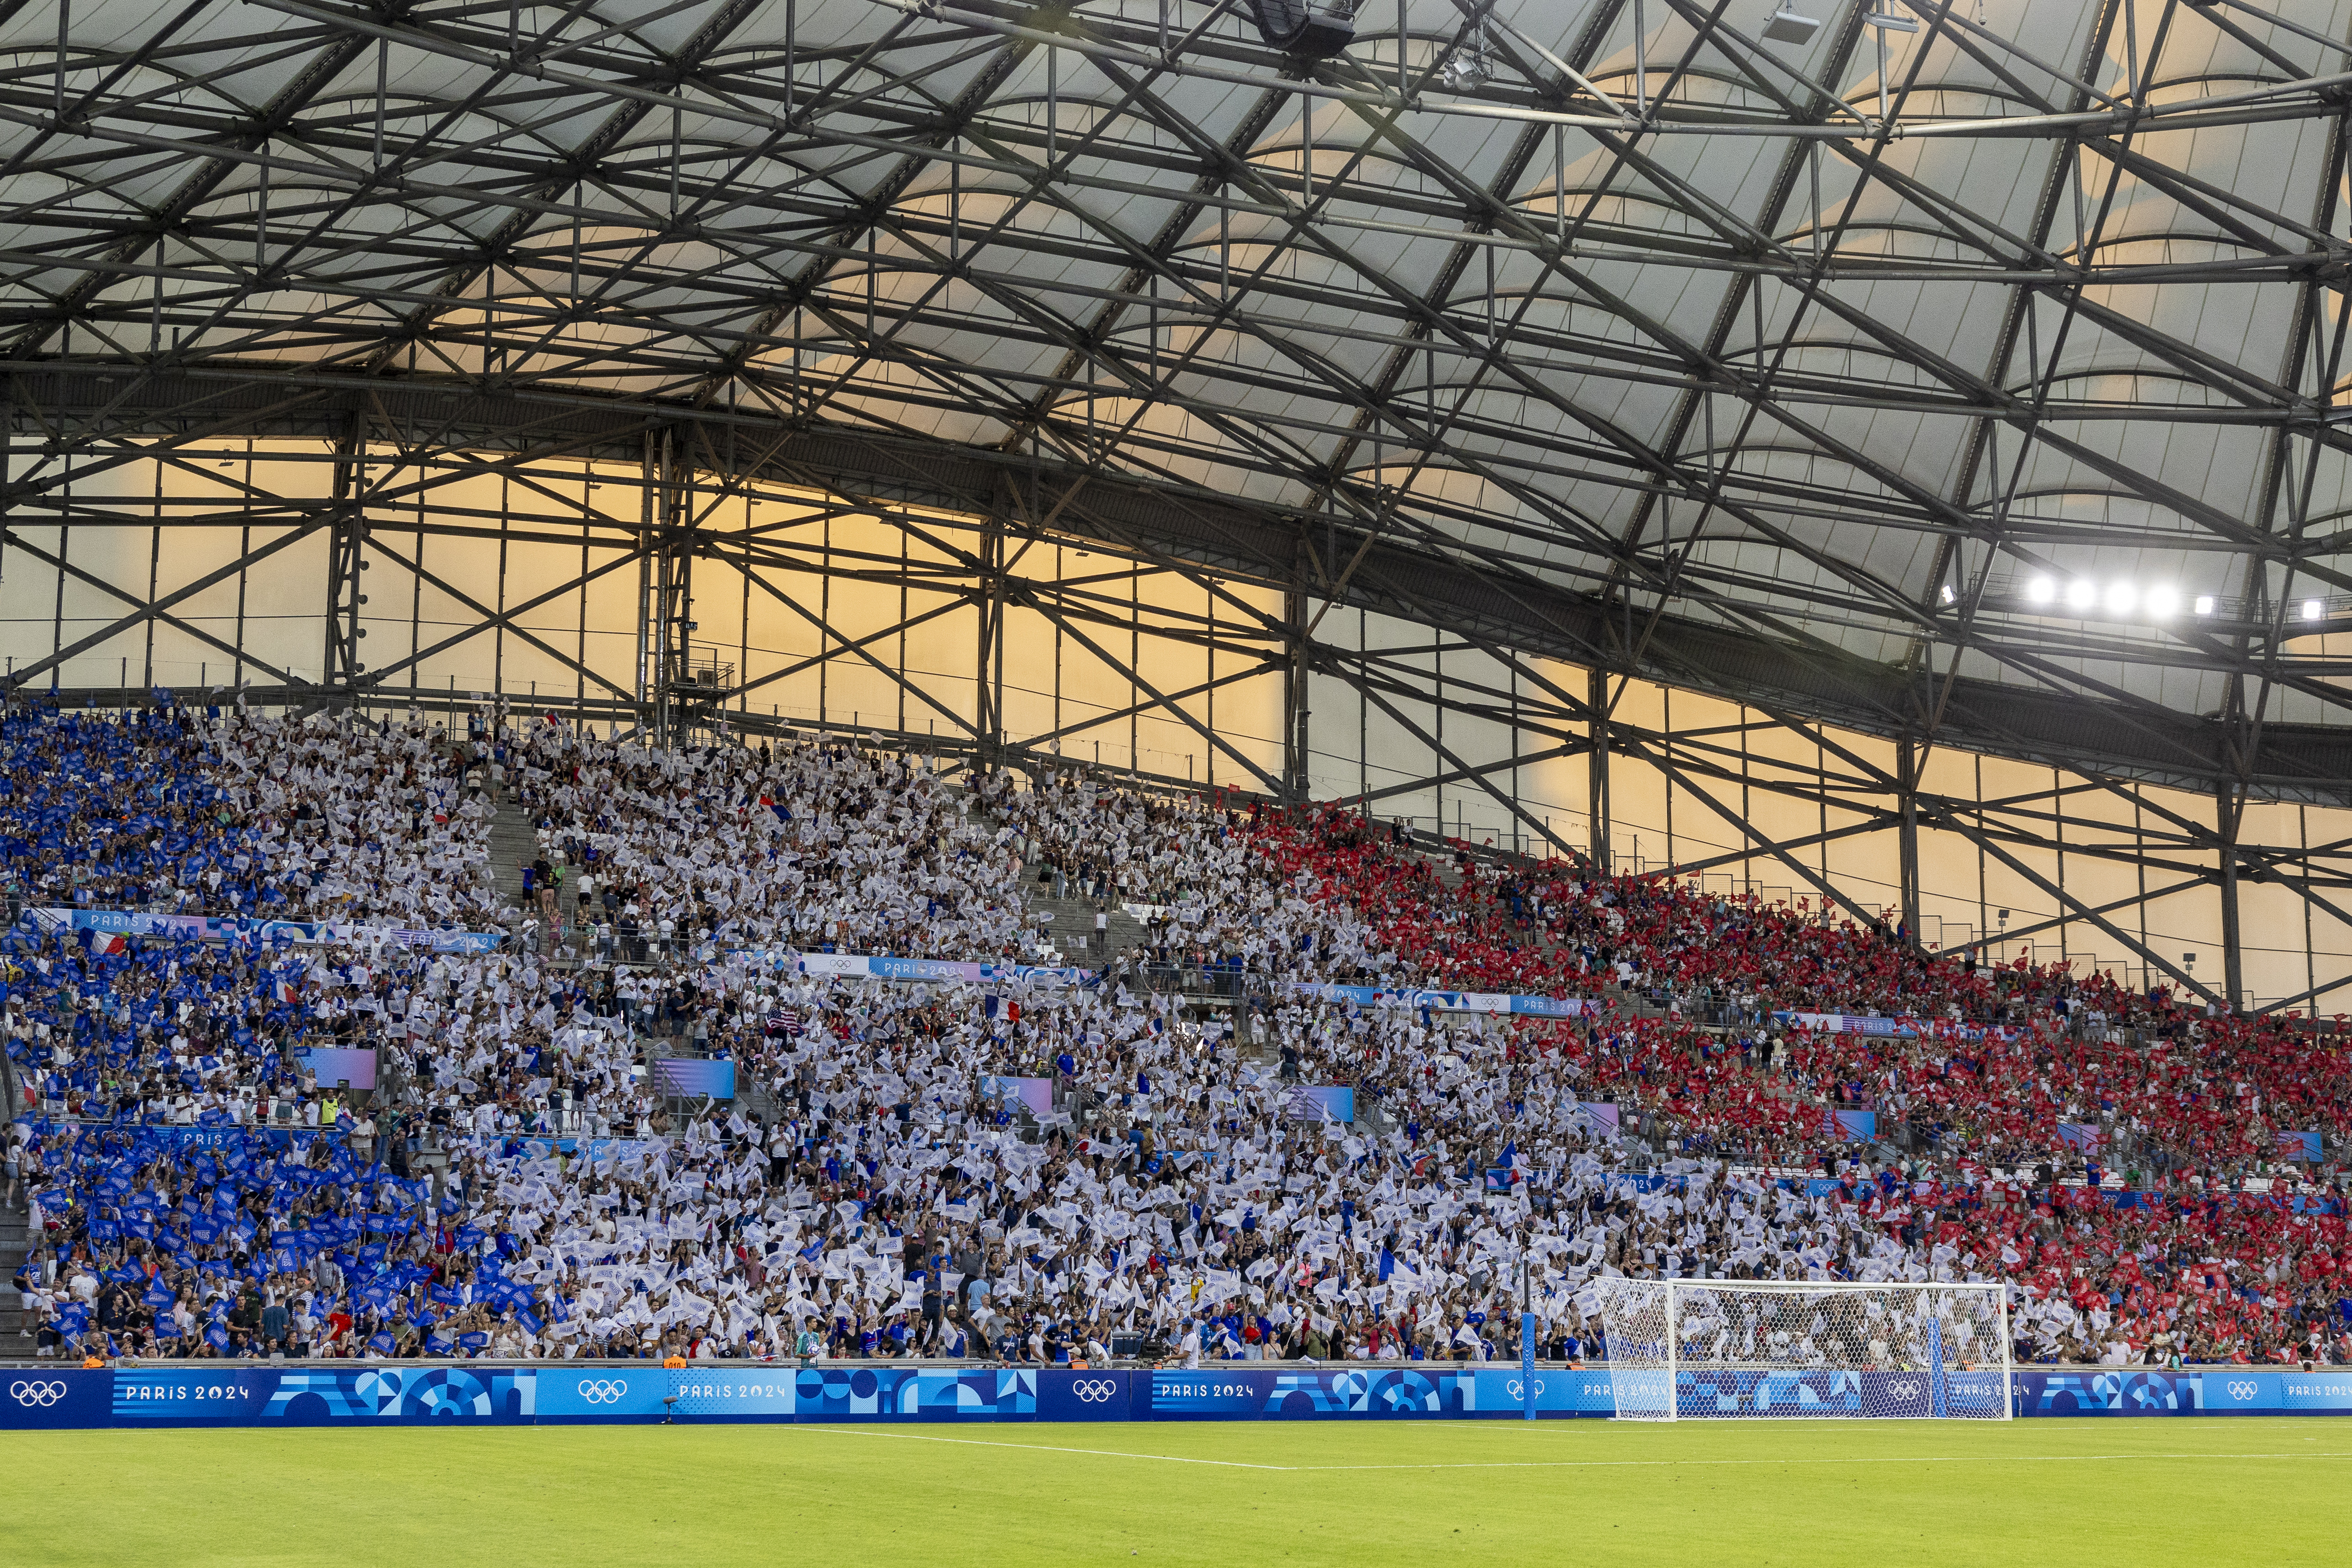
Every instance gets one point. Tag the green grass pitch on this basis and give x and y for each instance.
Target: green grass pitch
(1908, 1493)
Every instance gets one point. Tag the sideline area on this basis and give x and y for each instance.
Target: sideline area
(2182, 1490)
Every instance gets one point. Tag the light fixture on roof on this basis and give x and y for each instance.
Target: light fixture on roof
(2311, 609)
(2041, 591)
(1310, 29)
(2122, 597)
(2162, 601)
(1787, 27)
(2204, 604)
(1947, 594)
(2081, 593)
(1469, 70)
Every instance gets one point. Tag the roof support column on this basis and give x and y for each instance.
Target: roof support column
(2229, 810)
(1295, 709)
(1907, 773)
(341, 665)
(989, 670)
(1596, 697)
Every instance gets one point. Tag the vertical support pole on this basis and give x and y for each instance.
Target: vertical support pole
(154, 577)
(2058, 841)
(904, 565)
(1294, 688)
(1596, 697)
(1907, 774)
(2310, 959)
(7, 451)
(2229, 809)
(648, 482)
(1984, 937)
(674, 524)
(824, 623)
(996, 659)
(499, 637)
(2139, 869)
(685, 493)
(1134, 670)
(1667, 745)
(244, 555)
(340, 666)
(580, 658)
(988, 664)
(1404, 46)
(664, 584)
(1363, 718)
(1641, 63)
(65, 549)
(1515, 747)
(415, 581)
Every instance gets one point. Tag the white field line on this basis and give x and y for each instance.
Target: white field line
(1560, 1464)
(1040, 1447)
(1876, 1459)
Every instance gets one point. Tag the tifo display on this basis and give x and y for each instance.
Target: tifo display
(759, 1064)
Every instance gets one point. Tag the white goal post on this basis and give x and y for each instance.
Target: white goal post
(1683, 1349)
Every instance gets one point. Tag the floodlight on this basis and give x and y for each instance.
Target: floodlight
(2081, 593)
(1787, 27)
(2204, 604)
(1467, 69)
(2041, 591)
(2162, 600)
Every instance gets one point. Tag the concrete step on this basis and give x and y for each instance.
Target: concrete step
(514, 844)
(15, 1242)
(1076, 918)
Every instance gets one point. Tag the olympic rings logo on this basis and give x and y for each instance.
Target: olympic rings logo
(1094, 1390)
(37, 1394)
(1518, 1389)
(600, 1391)
(2242, 1390)
(1902, 1391)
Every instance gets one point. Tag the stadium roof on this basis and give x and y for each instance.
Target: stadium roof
(1821, 372)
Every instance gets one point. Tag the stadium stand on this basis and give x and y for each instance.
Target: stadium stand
(1037, 1164)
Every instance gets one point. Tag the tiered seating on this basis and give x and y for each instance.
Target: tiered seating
(1020, 1166)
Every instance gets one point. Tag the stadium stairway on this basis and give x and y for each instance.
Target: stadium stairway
(15, 1242)
(1076, 918)
(514, 844)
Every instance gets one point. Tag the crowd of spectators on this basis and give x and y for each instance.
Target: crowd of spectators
(1029, 1167)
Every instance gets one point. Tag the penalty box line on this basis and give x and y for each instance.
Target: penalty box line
(1559, 1464)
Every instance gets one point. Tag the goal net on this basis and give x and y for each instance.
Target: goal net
(1681, 1350)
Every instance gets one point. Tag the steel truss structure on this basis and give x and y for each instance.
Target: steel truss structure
(1959, 377)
